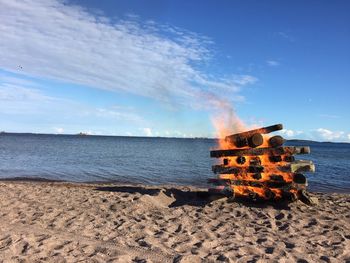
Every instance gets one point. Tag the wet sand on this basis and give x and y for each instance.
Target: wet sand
(62, 222)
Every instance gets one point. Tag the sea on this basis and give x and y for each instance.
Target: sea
(145, 160)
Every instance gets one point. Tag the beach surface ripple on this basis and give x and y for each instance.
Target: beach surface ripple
(66, 222)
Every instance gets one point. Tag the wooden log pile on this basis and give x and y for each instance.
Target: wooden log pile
(257, 166)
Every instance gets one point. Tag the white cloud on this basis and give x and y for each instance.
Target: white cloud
(59, 130)
(26, 108)
(272, 63)
(331, 135)
(320, 134)
(54, 40)
(147, 131)
(16, 99)
(290, 133)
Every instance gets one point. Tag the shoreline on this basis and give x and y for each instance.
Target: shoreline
(58, 221)
(46, 180)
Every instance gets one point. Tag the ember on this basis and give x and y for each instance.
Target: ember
(258, 166)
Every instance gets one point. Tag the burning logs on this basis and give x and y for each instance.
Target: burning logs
(252, 138)
(270, 151)
(260, 167)
(294, 167)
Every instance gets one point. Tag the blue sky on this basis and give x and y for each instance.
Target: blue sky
(175, 68)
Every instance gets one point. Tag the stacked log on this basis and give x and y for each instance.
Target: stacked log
(258, 166)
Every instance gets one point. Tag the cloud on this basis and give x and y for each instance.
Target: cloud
(51, 39)
(147, 131)
(331, 135)
(29, 108)
(320, 134)
(272, 63)
(20, 99)
(59, 130)
(290, 133)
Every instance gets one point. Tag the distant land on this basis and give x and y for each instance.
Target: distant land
(82, 134)
(311, 141)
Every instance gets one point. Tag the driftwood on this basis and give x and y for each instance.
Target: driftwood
(286, 150)
(298, 167)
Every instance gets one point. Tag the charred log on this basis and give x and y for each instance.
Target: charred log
(255, 161)
(288, 195)
(295, 167)
(279, 158)
(250, 133)
(236, 170)
(299, 179)
(222, 190)
(275, 159)
(255, 140)
(277, 177)
(240, 141)
(216, 181)
(306, 198)
(288, 158)
(282, 185)
(276, 141)
(287, 150)
(269, 195)
(285, 186)
(240, 159)
(219, 169)
(257, 176)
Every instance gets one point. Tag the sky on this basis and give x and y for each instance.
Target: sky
(175, 68)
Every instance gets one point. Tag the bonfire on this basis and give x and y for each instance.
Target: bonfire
(257, 166)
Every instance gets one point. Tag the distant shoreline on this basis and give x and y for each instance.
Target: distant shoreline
(148, 137)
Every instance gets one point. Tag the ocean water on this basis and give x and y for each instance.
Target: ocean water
(145, 160)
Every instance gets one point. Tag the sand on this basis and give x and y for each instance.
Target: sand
(62, 222)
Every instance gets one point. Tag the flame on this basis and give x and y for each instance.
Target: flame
(226, 122)
(229, 123)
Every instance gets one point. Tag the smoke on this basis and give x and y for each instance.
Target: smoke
(226, 121)
(223, 115)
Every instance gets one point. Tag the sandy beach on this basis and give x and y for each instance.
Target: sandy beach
(63, 222)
